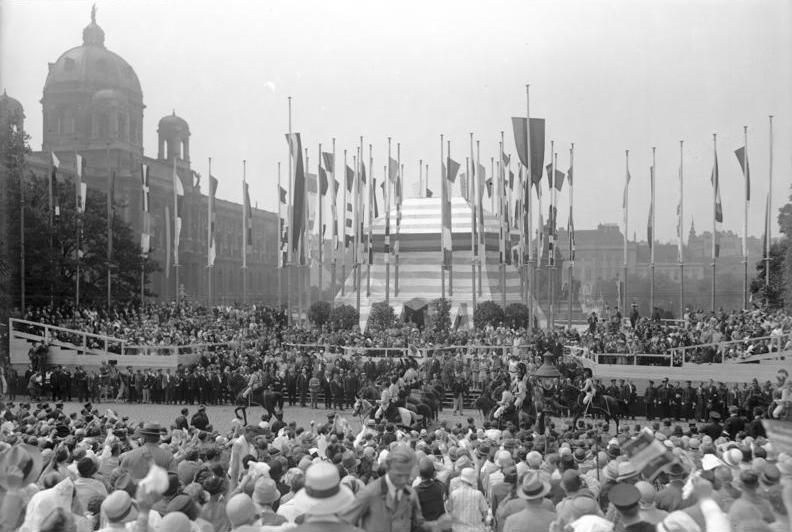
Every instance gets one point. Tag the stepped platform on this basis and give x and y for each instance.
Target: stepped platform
(420, 264)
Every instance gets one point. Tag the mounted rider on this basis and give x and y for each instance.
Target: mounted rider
(388, 398)
(255, 381)
(588, 387)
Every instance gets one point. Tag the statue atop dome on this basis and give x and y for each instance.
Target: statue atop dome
(93, 14)
(93, 35)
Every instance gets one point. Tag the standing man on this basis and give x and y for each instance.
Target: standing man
(650, 396)
(138, 461)
(314, 386)
(389, 504)
(302, 385)
(240, 448)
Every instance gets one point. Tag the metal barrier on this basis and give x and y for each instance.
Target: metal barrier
(86, 343)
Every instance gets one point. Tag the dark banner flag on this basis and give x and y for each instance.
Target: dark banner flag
(537, 149)
(298, 208)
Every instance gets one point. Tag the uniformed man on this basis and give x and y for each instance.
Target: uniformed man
(200, 420)
(301, 384)
(689, 396)
(650, 396)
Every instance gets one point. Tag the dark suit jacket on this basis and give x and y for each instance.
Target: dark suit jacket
(138, 461)
(374, 512)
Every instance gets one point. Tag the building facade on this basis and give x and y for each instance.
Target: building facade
(92, 105)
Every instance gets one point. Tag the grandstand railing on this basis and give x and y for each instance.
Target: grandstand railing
(87, 343)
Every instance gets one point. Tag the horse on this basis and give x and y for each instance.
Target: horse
(485, 404)
(603, 404)
(263, 397)
(364, 409)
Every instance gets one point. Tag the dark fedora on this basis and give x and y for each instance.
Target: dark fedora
(150, 429)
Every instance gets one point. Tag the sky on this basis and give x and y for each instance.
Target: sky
(608, 75)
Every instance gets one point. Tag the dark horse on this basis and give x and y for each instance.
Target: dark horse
(605, 405)
(262, 397)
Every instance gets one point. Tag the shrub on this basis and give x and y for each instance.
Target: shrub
(344, 317)
(319, 313)
(381, 317)
(517, 315)
(488, 313)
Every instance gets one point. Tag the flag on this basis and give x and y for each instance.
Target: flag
(374, 196)
(626, 190)
(167, 242)
(362, 172)
(680, 250)
(489, 187)
(766, 235)
(323, 184)
(446, 243)
(329, 161)
(537, 131)
(559, 180)
(298, 206)
(429, 192)
(212, 249)
(283, 194)
(742, 158)
(463, 185)
(571, 229)
(178, 204)
(81, 188)
(145, 238)
(520, 127)
(348, 225)
(511, 180)
(714, 178)
(451, 169)
(54, 203)
(393, 169)
(283, 227)
(350, 178)
(569, 176)
(649, 226)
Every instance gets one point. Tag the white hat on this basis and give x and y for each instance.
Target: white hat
(323, 493)
(468, 475)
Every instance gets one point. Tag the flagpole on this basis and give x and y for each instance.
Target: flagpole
(449, 192)
(386, 239)
(769, 204)
(421, 187)
(22, 279)
(110, 230)
(77, 209)
(344, 229)
(210, 235)
(552, 236)
(531, 280)
(52, 227)
(501, 194)
(443, 171)
(549, 226)
(570, 234)
(307, 252)
(359, 229)
(290, 217)
(399, 186)
(472, 193)
(320, 227)
(681, 231)
(279, 264)
(652, 245)
(746, 174)
(245, 214)
(334, 199)
(370, 243)
(715, 185)
(480, 215)
(626, 207)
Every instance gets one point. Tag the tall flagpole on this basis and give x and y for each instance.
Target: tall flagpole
(472, 194)
(78, 185)
(443, 171)
(501, 216)
(22, 279)
(552, 264)
(335, 233)
(344, 229)
(652, 249)
(714, 221)
(769, 204)
(386, 239)
(290, 216)
(245, 214)
(320, 227)
(449, 192)
(110, 232)
(210, 269)
(358, 222)
(626, 220)
(570, 230)
(531, 278)
(399, 185)
(681, 231)
(482, 250)
(306, 251)
(369, 243)
(746, 174)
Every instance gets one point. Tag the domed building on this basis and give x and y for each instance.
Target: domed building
(92, 105)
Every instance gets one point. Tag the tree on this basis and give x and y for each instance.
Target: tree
(488, 313)
(517, 315)
(319, 313)
(771, 294)
(344, 318)
(440, 312)
(57, 271)
(381, 317)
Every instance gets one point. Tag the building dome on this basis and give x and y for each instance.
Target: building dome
(109, 97)
(173, 122)
(11, 111)
(92, 66)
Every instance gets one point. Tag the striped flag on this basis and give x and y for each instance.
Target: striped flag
(450, 172)
(145, 236)
(742, 158)
(571, 230)
(649, 227)
(283, 225)
(212, 246)
(298, 206)
(81, 187)
(54, 203)
(247, 223)
(349, 234)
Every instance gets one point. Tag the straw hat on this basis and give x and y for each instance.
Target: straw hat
(468, 476)
(119, 507)
(533, 487)
(323, 493)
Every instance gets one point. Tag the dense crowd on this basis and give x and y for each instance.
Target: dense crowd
(93, 470)
(721, 335)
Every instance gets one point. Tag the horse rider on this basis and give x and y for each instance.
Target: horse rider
(588, 388)
(388, 398)
(507, 399)
(255, 381)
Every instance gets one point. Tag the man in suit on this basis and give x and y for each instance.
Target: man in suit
(240, 448)
(389, 504)
(137, 462)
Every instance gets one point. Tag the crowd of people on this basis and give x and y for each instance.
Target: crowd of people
(93, 470)
(720, 335)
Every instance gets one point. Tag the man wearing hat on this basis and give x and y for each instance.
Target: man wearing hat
(466, 504)
(626, 499)
(323, 500)
(200, 420)
(240, 448)
(138, 461)
(713, 429)
(539, 512)
(389, 504)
